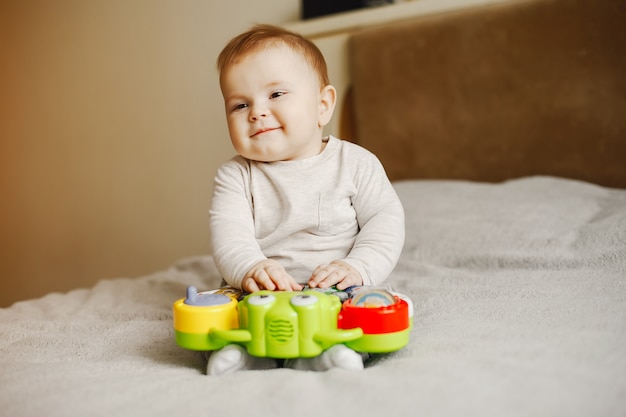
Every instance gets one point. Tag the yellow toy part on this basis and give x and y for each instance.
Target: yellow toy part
(198, 314)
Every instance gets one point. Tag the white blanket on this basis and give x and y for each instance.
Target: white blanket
(520, 310)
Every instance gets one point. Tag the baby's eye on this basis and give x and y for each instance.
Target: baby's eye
(239, 106)
(277, 94)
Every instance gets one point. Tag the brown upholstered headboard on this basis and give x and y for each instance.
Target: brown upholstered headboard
(523, 88)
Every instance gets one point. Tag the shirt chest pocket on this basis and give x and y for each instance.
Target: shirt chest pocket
(336, 214)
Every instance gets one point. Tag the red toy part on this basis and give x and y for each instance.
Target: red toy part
(378, 320)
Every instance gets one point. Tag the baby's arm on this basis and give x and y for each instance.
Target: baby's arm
(381, 236)
(233, 241)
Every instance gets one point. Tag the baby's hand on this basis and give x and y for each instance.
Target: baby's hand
(269, 275)
(337, 273)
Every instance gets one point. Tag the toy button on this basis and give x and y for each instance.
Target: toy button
(205, 299)
(373, 299)
(386, 319)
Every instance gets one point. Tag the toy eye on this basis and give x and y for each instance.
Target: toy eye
(261, 300)
(303, 300)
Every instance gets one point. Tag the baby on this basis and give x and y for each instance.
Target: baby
(294, 208)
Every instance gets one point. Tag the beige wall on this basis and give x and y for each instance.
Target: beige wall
(110, 133)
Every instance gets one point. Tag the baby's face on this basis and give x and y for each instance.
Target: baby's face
(275, 107)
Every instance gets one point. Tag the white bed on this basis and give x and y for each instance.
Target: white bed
(520, 309)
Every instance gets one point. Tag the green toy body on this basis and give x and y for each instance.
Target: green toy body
(289, 324)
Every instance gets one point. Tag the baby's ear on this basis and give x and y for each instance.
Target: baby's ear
(328, 98)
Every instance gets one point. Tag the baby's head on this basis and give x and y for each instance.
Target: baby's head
(263, 36)
(276, 93)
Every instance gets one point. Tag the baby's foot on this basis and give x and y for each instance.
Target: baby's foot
(233, 358)
(339, 356)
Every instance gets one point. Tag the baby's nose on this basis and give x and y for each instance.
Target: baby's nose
(258, 112)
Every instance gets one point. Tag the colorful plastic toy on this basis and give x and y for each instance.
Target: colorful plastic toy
(292, 324)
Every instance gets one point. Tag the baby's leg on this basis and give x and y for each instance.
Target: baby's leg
(233, 358)
(339, 356)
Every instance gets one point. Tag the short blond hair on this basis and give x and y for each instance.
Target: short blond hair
(260, 36)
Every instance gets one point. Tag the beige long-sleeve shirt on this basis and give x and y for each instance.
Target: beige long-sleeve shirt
(338, 205)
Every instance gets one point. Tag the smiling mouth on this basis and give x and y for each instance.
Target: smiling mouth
(261, 131)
